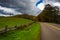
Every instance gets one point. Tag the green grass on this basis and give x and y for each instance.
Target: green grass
(12, 21)
(30, 33)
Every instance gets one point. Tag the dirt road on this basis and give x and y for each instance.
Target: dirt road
(49, 32)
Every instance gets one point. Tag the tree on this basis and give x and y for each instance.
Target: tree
(49, 14)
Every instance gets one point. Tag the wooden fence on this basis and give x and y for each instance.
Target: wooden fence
(21, 27)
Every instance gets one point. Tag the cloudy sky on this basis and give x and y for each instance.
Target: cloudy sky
(18, 6)
(52, 2)
(24, 6)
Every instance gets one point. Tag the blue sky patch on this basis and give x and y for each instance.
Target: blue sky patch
(40, 1)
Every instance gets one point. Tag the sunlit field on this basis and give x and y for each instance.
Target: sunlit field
(13, 21)
(30, 33)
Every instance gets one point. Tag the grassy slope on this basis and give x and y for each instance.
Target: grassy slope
(30, 33)
(12, 21)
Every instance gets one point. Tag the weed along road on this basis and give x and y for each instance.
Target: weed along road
(49, 32)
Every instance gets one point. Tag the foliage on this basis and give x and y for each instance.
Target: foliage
(49, 14)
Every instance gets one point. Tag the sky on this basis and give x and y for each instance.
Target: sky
(40, 4)
(22, 6)
(31, 7)
(52, 2)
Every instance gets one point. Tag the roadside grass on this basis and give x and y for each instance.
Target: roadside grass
(12, 21)
(30, 33)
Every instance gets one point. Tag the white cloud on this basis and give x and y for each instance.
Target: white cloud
(9, 10)
(4, 15)
(41, 6)
(56, 4)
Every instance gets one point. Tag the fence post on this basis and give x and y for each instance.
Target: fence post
(15, 27)
(6, 29)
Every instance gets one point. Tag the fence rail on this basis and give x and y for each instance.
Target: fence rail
(21, 27)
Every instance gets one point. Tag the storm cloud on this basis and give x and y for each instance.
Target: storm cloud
(22, 6)
(8, 11)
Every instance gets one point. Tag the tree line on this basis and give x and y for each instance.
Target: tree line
(49, 14)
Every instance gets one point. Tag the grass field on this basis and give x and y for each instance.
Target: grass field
(13, 21)
(30, 33)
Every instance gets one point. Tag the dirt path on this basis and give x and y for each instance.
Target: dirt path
(49, 32)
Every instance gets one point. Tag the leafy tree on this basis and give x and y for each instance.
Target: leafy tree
(49, 14)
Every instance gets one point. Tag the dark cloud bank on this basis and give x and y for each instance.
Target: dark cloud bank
(21, 6)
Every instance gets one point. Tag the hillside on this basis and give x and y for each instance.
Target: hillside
(12, 21)
(30, 33)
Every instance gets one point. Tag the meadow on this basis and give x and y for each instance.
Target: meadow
(32, 32)
(12, 21)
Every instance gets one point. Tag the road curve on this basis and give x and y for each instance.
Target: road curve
(49, 32)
